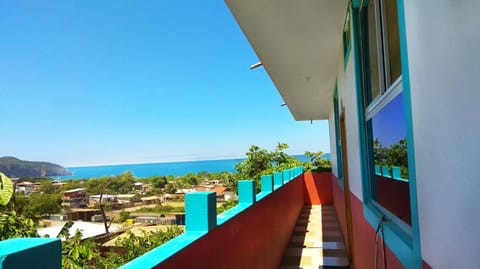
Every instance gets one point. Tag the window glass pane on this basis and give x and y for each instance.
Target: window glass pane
(389, 147)
(370, 52)
(393, 40)
(338, 138)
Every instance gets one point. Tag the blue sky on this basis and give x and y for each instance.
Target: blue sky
(105, 82)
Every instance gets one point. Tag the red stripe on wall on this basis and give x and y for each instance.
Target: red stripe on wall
(363, 233)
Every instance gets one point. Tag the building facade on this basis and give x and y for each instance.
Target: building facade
(399, 83)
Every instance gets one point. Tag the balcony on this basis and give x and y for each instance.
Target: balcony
(291, 223)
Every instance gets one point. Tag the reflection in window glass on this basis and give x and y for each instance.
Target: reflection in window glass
(391, 188)
(370, 58)
(393, 40)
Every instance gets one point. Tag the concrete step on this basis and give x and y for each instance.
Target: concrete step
(316, 241)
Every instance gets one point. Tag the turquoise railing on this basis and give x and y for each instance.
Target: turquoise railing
(200, 215)
(385, 172)
(28, 253)
(201, 218)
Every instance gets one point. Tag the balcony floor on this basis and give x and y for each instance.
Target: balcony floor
(316, 241)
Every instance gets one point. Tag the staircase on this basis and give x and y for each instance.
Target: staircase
(316, 241)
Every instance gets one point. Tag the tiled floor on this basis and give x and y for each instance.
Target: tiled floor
(316, 241)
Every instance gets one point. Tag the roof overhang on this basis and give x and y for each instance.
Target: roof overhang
(297, 42)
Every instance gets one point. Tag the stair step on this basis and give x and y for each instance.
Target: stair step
(316, 241)
(313, 261)
(317, 244)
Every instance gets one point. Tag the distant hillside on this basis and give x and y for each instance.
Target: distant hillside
(13, 167)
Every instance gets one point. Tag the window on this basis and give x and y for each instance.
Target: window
(338, 140)
(385, 125)
(347, 36)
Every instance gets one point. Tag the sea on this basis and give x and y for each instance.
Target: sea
(159, 169)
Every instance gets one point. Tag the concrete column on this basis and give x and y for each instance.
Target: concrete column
(267, 183)
(286, 175)
(277, 180)
(200, 211)
(246, 192)
(30, 253)
(386, 171)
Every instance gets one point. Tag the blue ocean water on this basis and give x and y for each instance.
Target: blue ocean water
(163, 169)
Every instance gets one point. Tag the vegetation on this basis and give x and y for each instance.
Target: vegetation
(38, 205)
(226, 206)
(317, 162)
(394, 155)
(161, 209)
(138, 245)
(122, 183)
(263, 162)
(6, 189)
(13, 167)
(86, 254)
(18, 211)
(13, 225)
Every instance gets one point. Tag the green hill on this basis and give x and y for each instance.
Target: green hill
(13, 167)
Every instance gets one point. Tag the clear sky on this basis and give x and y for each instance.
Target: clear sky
(101, 82)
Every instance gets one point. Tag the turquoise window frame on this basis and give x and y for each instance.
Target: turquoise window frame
(338, 144)
(347, 36)
(405, 244)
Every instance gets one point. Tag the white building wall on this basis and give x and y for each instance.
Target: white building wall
(333, 144)
(443, 43)
(348, 99)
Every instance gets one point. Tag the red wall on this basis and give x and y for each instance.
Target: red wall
(394, 195)
(255, 238)
(318, 188)
(363, 233)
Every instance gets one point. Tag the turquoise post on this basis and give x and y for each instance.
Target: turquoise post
(277, 180)
(378, 171)
(286, 175)
(30, 253)
(386, 171)
(246, 192)
(296, 172)
(267, 183)
(396, 172)
(200, 211)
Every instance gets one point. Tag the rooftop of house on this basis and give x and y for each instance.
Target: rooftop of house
(88, 229)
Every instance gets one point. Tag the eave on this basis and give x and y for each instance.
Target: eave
(297, 43)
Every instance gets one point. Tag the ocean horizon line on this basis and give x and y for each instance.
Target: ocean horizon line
(141, 170)
(171, 161)
(158, 162)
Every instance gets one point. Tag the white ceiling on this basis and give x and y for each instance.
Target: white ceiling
(298, 42)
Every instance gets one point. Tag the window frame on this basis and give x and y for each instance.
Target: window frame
(347, 36)
(372, 106)
(404, 243)
(338, 140)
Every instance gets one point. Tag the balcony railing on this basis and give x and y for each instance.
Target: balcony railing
(253, 234)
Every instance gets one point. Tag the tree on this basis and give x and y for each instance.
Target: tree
(6, 189)
(394, 155)
(42, 204)
(282, 160)
(138, 245)
(158, 181)
(263, 162)
(170, 188)
(258, 161)
(46, 186)
(13, 225)
(317, 162)
(77, 254)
